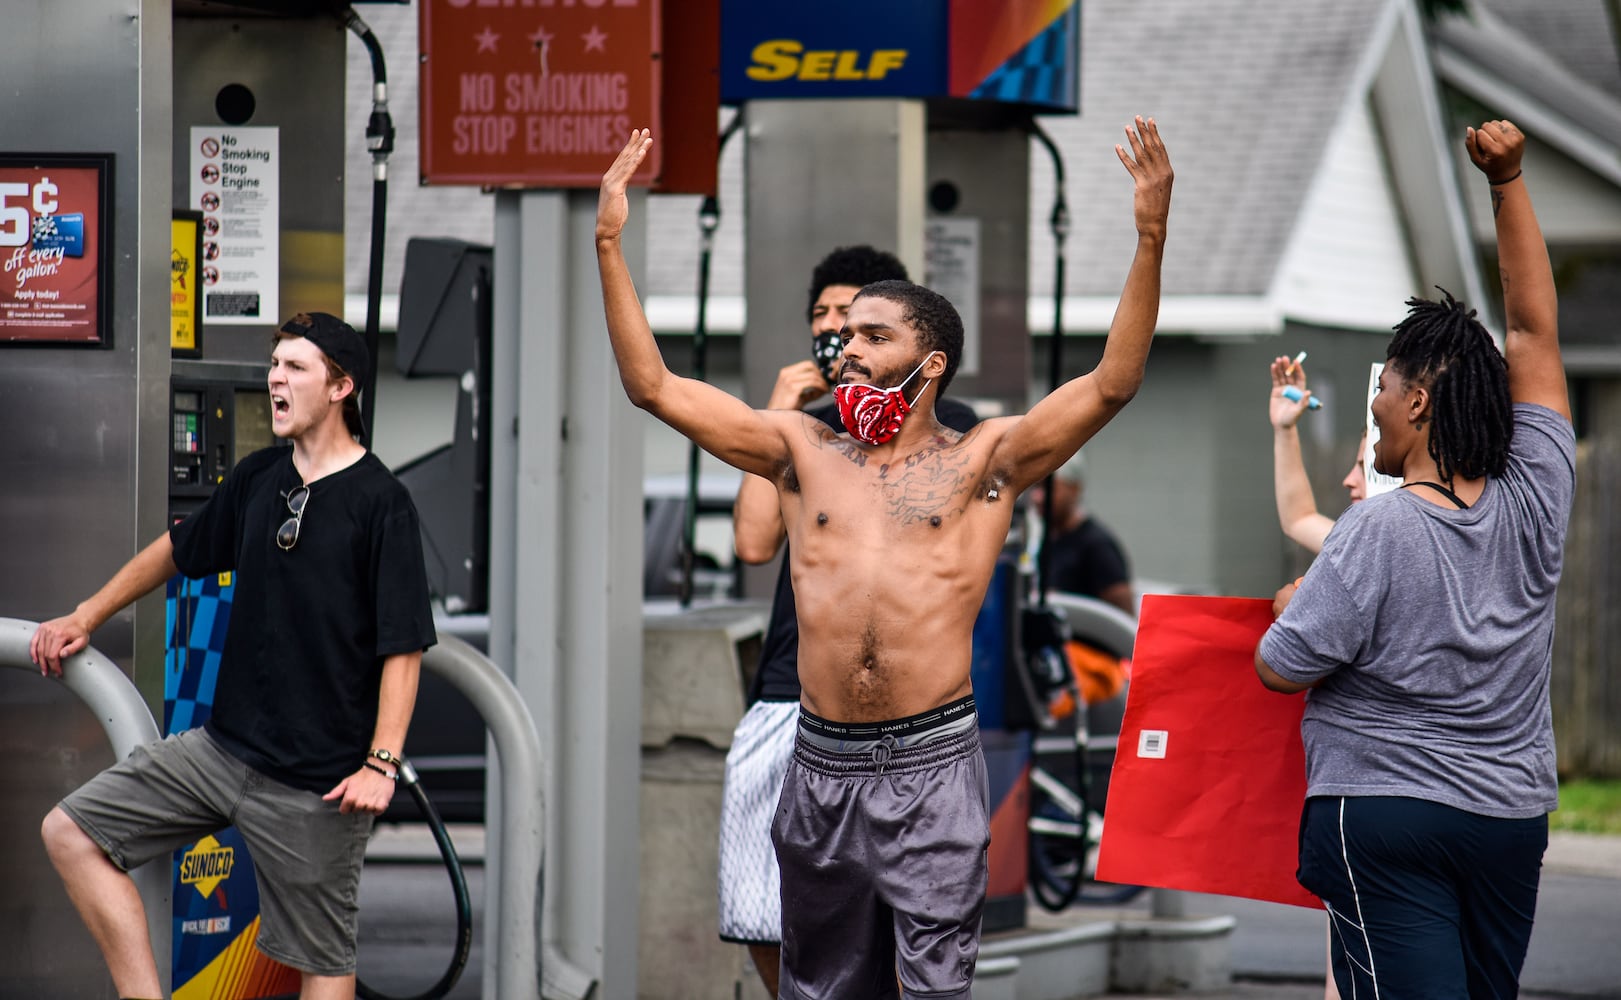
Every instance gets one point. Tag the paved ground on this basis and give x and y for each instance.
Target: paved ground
(408, 928)
(1568, 853)
(1277, 951)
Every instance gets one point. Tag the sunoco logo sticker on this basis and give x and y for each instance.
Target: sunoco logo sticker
(206, 865)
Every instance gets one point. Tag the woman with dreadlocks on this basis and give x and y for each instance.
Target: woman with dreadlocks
(1424, 631)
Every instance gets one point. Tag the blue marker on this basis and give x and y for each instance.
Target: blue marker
(1293, 395)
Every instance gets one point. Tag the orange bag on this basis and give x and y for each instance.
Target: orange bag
(1098, 675)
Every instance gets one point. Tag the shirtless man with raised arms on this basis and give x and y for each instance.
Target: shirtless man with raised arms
(893, 530)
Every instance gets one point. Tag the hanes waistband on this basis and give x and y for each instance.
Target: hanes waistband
(946, 716)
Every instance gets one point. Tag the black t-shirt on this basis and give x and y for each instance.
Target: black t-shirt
(1088, 561)
(777, 679)
(310, 627)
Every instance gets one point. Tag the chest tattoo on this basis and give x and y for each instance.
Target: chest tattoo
(855, 455)
(927, 485)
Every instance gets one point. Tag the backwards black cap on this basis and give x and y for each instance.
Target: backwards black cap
(336, 339)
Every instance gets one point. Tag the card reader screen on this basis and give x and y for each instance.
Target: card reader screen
(252, 422)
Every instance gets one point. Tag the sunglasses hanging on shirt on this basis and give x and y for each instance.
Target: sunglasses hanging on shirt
(297, 499)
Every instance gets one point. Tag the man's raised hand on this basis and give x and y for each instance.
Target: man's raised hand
(1496, 148)
(613, 208)
(1150, 166)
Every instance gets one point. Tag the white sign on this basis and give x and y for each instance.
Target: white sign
(1378, 482)
(951, 267)
(236, 184)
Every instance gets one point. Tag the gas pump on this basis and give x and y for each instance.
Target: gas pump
(217, 415)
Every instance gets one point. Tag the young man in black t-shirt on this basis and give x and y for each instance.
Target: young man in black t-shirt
(317, 683)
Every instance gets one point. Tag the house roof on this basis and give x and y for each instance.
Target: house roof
(1577, 34)
(1551, 66)
(1485, 57)
(1246, 93)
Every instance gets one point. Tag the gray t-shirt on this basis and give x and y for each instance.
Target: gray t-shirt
(1432, 631)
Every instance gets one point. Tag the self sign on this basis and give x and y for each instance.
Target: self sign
(784, 58)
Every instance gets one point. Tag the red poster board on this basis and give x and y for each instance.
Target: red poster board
(55, 265)
(1210, 775)
(536, 95)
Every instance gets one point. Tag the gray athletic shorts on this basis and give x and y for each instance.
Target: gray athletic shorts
(750, 891)
(882, 848)
(306, 854)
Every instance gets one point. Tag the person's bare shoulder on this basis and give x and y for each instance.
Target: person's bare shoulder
(987, 434)
(813, 430)
(969, 456)
(812, 440)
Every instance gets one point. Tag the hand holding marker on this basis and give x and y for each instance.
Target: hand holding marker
(1293, 393)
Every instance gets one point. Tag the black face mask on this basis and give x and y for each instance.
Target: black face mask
(826, 349)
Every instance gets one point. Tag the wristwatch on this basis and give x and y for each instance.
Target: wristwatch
(384, 756)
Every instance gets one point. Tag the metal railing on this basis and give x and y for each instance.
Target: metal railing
(521, 964)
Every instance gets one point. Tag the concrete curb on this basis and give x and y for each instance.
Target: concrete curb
(413, 842)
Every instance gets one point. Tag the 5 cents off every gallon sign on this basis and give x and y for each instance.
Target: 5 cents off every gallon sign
(535, 93)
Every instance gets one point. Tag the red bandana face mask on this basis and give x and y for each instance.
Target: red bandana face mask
(875, 415)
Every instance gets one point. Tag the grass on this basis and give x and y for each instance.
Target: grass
(1588, 806)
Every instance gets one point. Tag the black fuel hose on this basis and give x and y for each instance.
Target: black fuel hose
(458, 884)
(1058, 225)
(380, 141)
(708, 222)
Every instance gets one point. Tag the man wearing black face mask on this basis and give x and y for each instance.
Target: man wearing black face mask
(750, 892)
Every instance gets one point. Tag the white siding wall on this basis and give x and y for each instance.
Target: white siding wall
(1347, 263)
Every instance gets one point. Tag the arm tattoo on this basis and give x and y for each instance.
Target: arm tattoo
(1497, 202)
